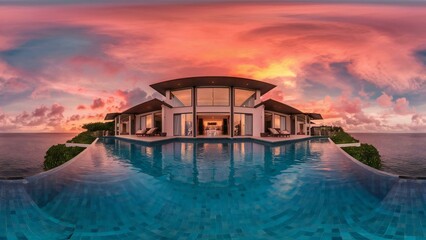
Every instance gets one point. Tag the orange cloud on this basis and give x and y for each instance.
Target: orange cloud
(338, 59)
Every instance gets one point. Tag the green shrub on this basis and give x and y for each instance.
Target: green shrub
(99, 126)
(366, 154)
(59, 154)
(341, 137)
(84, 137)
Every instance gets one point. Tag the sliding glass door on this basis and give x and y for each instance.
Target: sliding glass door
(182, 124)
(243, 124)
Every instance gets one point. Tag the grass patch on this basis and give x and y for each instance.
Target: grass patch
(342, 137)
(366, 154)
(59, 154)
(84, 137)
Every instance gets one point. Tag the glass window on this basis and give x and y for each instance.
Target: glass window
(143, 123)
(277, 121)
(182, 125)
(268, 122)
(243, 124)
(181, 98)
(244, 98)
(149, 121)
(213, 96)
(221, 96)
(280, 122)
(248, 125)
(158, 121)
(146, 121)
(282, 125)
(204, 97)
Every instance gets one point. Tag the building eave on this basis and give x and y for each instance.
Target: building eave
(238, 82)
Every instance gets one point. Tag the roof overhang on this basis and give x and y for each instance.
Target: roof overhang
(275, 106)
(111, 116)
(148, 106)
(180, 83)
(315, 116)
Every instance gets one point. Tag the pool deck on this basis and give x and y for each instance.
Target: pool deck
(264, 139)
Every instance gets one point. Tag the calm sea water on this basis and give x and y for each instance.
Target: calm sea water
(22, 154)
(402, 153)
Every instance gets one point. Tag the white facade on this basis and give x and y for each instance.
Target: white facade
(212, 111)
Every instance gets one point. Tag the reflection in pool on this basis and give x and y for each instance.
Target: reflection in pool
(217, 189)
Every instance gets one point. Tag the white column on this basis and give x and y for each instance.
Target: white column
(119, 124)
(115, 126)
(306, 126)
(153, 120)
(130, 125)
(295, 125)
(163, 119)
(309, 126)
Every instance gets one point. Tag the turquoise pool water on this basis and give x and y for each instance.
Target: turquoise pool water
(208, 189)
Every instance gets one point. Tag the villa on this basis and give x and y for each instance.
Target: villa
(213, 107)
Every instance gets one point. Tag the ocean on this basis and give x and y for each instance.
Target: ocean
(22, 154)
(402, 153)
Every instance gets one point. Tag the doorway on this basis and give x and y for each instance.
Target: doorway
(212, 125)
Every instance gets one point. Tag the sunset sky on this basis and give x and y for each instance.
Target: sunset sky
(361, 65)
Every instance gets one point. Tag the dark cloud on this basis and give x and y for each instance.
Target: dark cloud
(135, 96)
(56, 111)
(49, 46)
(97, 103)
(40, 111)
(421, 56)
(74, 117)
(81, 107)
(41, 116)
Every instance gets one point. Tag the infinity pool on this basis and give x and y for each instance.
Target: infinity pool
(225, 189)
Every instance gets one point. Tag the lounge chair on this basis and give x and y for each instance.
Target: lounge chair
(141, 132)
(274, 132)
(151, 132)
(285, 133)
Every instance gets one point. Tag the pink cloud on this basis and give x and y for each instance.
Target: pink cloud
(402, 106)
(384, 100)
(310, 51)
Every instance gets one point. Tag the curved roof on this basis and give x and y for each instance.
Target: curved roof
(273, 105)
(315, 116)
(148, 106)
(162, 87)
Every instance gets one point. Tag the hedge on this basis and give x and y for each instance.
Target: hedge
(342, 137)
(59, 154)
(84, 137)
(99, 126)
(366, 154)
